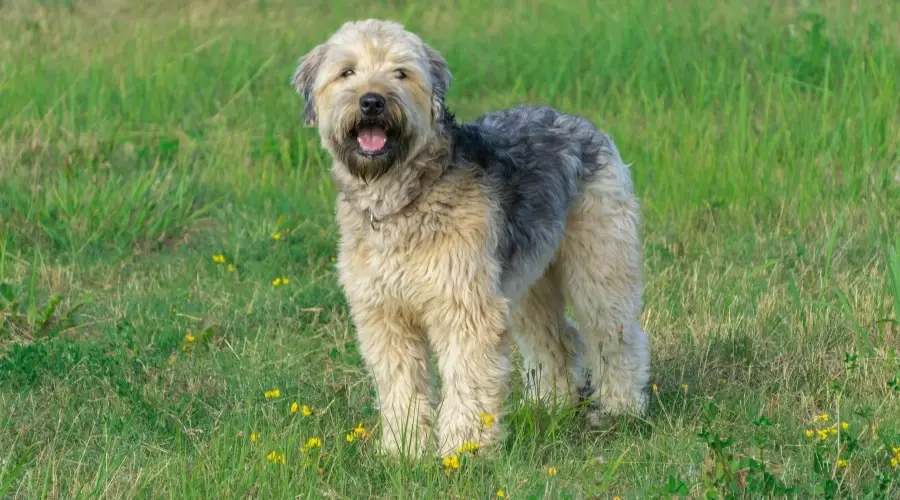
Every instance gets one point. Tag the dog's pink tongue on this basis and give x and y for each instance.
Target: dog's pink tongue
(371, 139)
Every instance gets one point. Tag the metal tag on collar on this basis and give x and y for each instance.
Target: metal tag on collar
(372, 220)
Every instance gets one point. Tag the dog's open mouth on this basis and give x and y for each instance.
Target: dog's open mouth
(372, 140)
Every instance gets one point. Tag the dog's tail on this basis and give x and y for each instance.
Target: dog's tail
(598, 151)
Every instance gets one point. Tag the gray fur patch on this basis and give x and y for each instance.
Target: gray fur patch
(533, 160)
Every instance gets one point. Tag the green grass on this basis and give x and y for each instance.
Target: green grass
(138, 140)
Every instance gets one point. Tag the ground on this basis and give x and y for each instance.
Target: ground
(167, 239)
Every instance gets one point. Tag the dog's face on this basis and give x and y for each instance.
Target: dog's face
(376, 93)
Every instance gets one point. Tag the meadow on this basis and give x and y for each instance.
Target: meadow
(170, 321)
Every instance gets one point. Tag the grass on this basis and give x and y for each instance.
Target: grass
(137, 140)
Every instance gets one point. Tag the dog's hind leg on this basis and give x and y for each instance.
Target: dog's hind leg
(551, 346)
(600, 267)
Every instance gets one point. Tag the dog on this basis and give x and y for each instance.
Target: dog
(460, 238)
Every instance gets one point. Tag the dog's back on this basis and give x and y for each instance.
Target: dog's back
(534, 161)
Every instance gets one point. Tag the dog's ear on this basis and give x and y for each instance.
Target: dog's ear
(305, 77)
(440, 78)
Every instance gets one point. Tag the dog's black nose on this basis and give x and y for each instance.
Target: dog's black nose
(371, 104)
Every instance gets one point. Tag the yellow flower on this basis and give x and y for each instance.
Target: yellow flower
(895, 462)
(468, 447)
(654, 388)
(254, 437)
(275, 457)
(218, 259)
(823, 434)
(487, 420)
(361, 432)
(822, 417)
(276, 282)
(350, 437)
(306, 411)
(810, 433)
(832, 430)
(230, 268)
(276, 236)
(501, 493)
(294, 408)
(273, 394)
(189, 338)
(684, 387)
(551, 471)
(896, 450)
(845, 426)
(451, 463)
(285, 281)
(313, 442)
(842, 464)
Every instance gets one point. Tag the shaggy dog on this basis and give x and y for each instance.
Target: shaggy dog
(457, 238)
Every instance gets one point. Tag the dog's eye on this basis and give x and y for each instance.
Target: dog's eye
(347, 73)
(401, 74)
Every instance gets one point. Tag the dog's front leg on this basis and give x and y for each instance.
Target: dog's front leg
(396, 353)
(471, 342)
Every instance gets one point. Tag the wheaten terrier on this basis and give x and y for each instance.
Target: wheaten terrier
(456, 238)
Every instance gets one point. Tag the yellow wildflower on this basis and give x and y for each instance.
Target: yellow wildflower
(654, 388)
(276, 282)
(218, 259)
(230, 268)
(501, 494)
(895, 462)
(468, 447)
(361, 432)
(842, 464)
(896, 450)
(294, 408)
(551, 471)
(810, 433)
(313, 442)
(451, 463)
(487, 420)
(306, 411)
(822, 433)
(275, 457)
(189, 338)
(684, 387)
(350, 437)
(845, 426)
(285, 281)
(273, 394)
(254, 437)
(822, 417)
(832, 430)
(276, 236)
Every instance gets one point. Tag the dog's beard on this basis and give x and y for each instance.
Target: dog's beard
(370, 147)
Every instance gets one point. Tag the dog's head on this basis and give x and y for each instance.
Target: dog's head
(376, 93)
